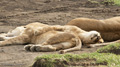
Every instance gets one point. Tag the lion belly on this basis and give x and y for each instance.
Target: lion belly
(110, 36)
(43, 37)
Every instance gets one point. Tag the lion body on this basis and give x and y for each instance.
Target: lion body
(52, 38)
(108, 28)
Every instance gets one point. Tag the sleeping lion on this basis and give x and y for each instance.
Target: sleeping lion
(108, 28)
(51, 38)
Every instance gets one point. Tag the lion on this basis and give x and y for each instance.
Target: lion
(108, 28)
(54, 37)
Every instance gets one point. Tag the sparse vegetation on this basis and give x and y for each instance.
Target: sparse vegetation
(112, 48)
(93, 1)
(104, 59)
(103, 56)
(111, 2)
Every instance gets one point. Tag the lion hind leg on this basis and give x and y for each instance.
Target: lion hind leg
(75, 48)
(39, 48)
(48, 47)
(4, 37)
(22, 39)
(27, 47)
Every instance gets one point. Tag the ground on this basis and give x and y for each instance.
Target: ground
(15, 13)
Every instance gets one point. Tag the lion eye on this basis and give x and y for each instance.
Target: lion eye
(94, 36)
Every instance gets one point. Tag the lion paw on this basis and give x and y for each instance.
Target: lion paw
(33, 48)
(91, 46)
(27, 47)
(38, 48)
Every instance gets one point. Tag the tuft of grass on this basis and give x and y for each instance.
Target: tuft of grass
(112, 48)
(92, 1)
(103, 56)
(116, 2)
(111, 2)
(111, 60)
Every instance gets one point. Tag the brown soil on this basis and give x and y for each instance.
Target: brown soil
(21, 12)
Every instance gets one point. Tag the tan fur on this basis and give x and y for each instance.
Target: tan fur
(109, 28)
(52, 38)
(13, 33)
(19, 30)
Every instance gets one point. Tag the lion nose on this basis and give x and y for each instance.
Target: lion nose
(101, 40)
(98, 37)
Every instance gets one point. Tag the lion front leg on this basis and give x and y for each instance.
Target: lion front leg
(75, 48)
(70, 49)
(21, 39)
(103, 44)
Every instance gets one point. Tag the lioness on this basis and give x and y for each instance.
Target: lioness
(52, 38)
(108, 28)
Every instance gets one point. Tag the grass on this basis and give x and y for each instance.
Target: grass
(92, 1)
(112, 2)
(111, 60)
(116, 2)
(102, 56)
(112, 48)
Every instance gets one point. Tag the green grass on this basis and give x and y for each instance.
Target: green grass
(112, 48)
(112, 60)
(112, 2)
(116, 2)
(93, 1)
(102, 55)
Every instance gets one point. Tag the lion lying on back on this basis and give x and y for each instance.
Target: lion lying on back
(108, 28)
(51, 38)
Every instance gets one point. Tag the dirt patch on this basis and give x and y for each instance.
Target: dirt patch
(21, 12)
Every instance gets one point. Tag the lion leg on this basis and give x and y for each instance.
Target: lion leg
(49, 47)
(63, 45)
(57, 42)
(21, 39)
(70, 49)
(53, 47)
(6, 38)
(2, 36)
(103, 44)
(75, 48)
